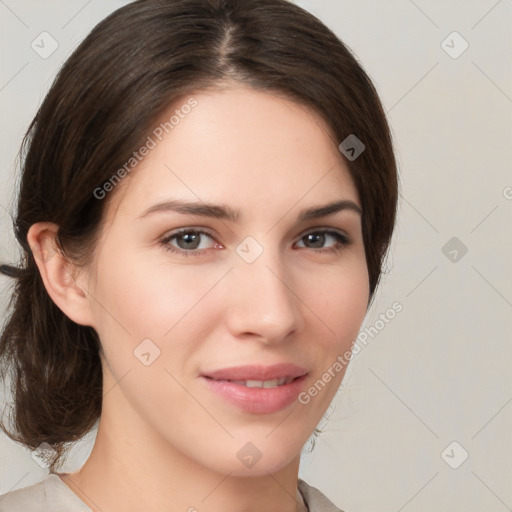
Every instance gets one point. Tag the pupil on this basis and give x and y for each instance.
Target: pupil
(318, 237)
(189, 237)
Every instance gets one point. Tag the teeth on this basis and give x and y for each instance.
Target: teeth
(263, 383)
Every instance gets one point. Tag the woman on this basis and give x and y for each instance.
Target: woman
(208, 194)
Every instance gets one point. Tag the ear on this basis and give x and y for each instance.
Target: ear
(58, 274)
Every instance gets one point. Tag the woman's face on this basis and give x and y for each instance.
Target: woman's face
(172, 310)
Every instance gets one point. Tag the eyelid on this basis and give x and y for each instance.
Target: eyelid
(343, 240)
(209, 232)
(194, 229)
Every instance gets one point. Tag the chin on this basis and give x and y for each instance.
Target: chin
(260, 456)
(269, 464)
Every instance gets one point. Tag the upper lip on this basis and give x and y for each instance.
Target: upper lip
(257, 372)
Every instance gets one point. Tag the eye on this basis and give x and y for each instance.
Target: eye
(189, 241)
(318, 238)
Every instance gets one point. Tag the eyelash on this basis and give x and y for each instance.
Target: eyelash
(342, 240)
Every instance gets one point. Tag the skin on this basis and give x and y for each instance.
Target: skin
(165, 441)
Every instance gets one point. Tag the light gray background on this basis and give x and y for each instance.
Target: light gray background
(438, 372)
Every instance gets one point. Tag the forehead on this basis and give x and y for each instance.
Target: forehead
(239, 146)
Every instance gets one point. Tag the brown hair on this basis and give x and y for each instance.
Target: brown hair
(101, 107)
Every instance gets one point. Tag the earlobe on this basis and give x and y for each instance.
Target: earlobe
(58, 274)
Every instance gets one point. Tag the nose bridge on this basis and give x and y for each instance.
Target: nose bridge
(262, 297)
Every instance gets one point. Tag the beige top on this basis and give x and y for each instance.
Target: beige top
(53, 495)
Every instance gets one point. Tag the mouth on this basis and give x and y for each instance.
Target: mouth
(257, 389)
(274, 383)
(273, 374)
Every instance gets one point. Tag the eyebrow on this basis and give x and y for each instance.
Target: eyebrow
(219, 211)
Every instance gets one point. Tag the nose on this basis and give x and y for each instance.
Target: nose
(262, 301)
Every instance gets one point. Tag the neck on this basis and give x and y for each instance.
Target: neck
(131, 469)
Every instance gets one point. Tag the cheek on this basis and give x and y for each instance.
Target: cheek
(148, 325)
(157, 314)
(339, 304)
(339, 300)
(341, 309)
(148, 299)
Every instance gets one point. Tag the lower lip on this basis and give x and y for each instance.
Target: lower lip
(257, 400)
